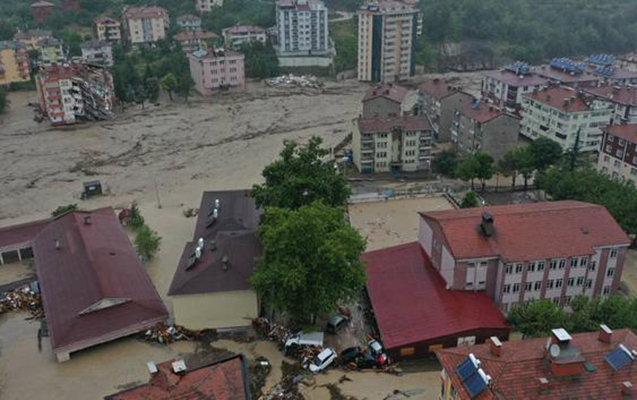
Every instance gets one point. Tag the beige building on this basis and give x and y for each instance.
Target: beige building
(211, 286)
(108, 30)
(387, 32)
(207, 5)
(618, 155)
(14, 63)
(235, 36)
(145, 25)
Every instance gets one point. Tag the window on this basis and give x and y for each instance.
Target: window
(538, 286)
(540, 265)
(381, 154)
(567, 300)
(589, 283)
(559, 283)
(613, 252)
(571, 282)
(573, 262)
(556, 300)
(606, 290)
(592, 265)
(506, 289)
(509, 269)
(519, 268)
(553, 264)
(583, 261)
(516, 287)
(562, 263)
(528, 286)
(606, 159)
(610, 272)
(580, 281)
(531, 267)
(611, 138)
(550, 284)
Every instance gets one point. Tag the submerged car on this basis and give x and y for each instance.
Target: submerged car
(321, 360)
(336, 323)
(350, 354)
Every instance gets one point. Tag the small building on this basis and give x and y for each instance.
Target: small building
(402, 144)
(213, 70)
(145, 25)
(561, 114)
(194, 378)
(108, 30)
(14, 63)
(191, 41)
(31, 37)
(506, 88)
(237, 35)
(415, 311)
(621, 99)
(480, 127)
(51, 52)
(42, 10)
(211, 286)
(386, 101)
(618, 156)
(94, 289)
(189, 22)
(207, 5)
(71, 5)
(16, 241)
(593, 365)
(437, 99)
(97, 52)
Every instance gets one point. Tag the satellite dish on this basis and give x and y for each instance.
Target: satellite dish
(555, 351)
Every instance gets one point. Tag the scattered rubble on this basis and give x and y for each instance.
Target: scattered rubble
(288, 388)
(22, 299)
(259, 371)
(270, 330)
(295, 80)
(165, 334)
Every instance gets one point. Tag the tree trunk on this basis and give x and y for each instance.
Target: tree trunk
(634, 244)
(484, 183)
(170, 95)
(513, 184)
(526, 180)
(472, 184)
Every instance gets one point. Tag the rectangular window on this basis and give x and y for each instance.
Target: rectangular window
(589, 283)
(538, 286)
(553, 264)
(613, 252)
(550, 284)
(528, 286)
(516, 287)
(580, 281)
(519, 268)
(583, 261)
(559, 283)
(592, 265)
(610, 272)
(567, 300)
(574, 262)
(556, 300)
(531, 267)
(562, 263)
(571, 282)
(506, 289)
(540, 265)
(606, 290)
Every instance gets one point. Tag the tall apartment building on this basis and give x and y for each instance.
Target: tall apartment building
(189, 22)
(14, 63)
(31, 37)
(97, 52)
(237, 35)
(387, 32)
(42, 10)
(515, 253)
(207, 5)
(618, 156)
(480, 127)
(108, 30)
(621, 99)
(437, 101)
(302, 28)
(507, 87)
(145, 25)
(560, 114)
(51, 52)
(216, 70)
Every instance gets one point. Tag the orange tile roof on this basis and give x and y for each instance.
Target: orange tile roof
(563, 98)
(626, 95)
(438, 88)
(390, 91)
(627, 132)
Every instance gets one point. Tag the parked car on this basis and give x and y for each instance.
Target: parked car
(350, 354)
(336, 323)
(321, 361)
(376, 349)
(366, 361)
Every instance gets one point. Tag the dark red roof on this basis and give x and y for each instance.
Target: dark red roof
(626, 132)
(479, 111)
(20, 234)
(94, 266)
(565, 77)
(411, 301)
(512, 79)
(525, 232)
(220, 380)
(389, 91)
(409, 122)
(515, 374)
(438, 88)
(563, 98)
(626, 95)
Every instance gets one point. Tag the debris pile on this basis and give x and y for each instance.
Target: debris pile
(165, 334)
(288, 387)
(259, 371)
(191, 212)
(302, 353)
(295, 80)
(22, 299)
(271, 331)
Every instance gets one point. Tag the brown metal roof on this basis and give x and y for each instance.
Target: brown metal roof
(23, 233)
(389, 91)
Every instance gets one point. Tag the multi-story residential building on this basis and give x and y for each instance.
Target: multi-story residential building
(480, 127)
(72, 92)
(207, 5)
(621, 99)
(568, 72)
(561, 114)
(384, 102)
(14, 63)
(145, 25)
(237, 35)
(392, 145)
(97, 52)
(604, 66)
(42, 10)
(31, 37)
(515, 253)
(387, 32)
(194, 40)
(189, 22)
(108, 30)
(51, 52)
(618, 157)
(437, 100)
(592, 365)
(506, 88)
(216, 70)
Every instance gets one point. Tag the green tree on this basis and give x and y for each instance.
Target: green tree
(3, 99)
(470, 200)
(545, 152)
(526, 164)
(446, 163)
(151, 87)
(169, 84)
(536, 318)
(468, 170)
(147, 242)
(301, 176)
(486, 168)
(185, 85)
(311, 260)
(64, 209)
(136, 220)
(509, 166)
(260, 60)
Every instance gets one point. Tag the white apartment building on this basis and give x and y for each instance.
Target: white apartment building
(622, 100)
(207, 5)
(97, 52)
(559, 114)
(387, 32)
(302, 28)
(145, 25)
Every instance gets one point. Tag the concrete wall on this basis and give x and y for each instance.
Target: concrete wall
(381, 107)
(216, 310)
(305, 61)
(500, 135)
(447, 105)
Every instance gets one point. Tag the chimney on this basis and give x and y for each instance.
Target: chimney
(628, 390)
(87, 220)
(495, 346)
(605, 334)
(565, 102)
(152, 367)
(225, 263)
(487, 224)
(179, 366)
(58, 243)
(544, 385)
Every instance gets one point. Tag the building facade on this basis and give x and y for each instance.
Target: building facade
(97, 52)
(194, 40)
(516, 253)
(207, 5)
(561, 114)
(385, 102)
(437, 101)
(618, 156)
(189, 22)
(507, 87)
(14, 63)
(237, 35)
(387, 33)
(621, 99)
(302, 28)
(108, 30)
(216, 70)
(31, 37)
(41, 11)
(480, 127)
(51, 52)
(145, 25)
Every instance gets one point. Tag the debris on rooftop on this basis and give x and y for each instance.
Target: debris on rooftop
(295, 80)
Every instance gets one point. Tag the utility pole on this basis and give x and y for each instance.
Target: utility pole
(157, 193)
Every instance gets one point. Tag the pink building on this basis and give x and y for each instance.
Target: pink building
(515, 253)
(216, 69)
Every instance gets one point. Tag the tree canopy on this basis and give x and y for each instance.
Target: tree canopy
(476, 166)
(311, 260)
(446, 163)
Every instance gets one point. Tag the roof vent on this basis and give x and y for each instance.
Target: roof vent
(217, 204)
(627, 389)
(495, 346)
(87, 220)
(58, 242)
(225, 263)
(561, 336)
(487, 224)
(152, 367)
(544, 385)
(179, 366)
(605, 334)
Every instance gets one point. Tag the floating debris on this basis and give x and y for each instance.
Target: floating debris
(23, 298)
(165, 334)
(295, 80)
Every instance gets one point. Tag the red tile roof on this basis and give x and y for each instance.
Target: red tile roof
(438, 88)
(390, 91)
(526, 232)
(626, 132)
(512, 79)
(21, 234)
(411, 302)
(220, 380)
(479, 111)
(515, 374)
(95, 266)
(563, 98)
(145, 12)
(410, 123)
(626, 95)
